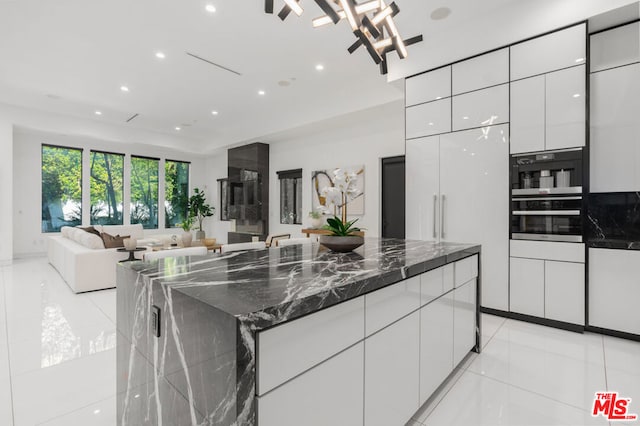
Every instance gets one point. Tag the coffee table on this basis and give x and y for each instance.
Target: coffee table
(131, 256)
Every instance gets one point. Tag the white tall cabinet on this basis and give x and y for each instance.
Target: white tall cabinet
(615, 108)
(458, 181)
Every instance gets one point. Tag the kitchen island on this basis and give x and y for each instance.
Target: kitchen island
(294, 335)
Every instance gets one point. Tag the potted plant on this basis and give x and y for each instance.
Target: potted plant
(342, 237)
(199, 209)
(187, 237)
(316, 219)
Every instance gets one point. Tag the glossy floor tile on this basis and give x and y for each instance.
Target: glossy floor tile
(57, 364)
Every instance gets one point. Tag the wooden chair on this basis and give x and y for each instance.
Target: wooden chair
(275, 237)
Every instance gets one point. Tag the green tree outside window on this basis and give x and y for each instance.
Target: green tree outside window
(61, 187)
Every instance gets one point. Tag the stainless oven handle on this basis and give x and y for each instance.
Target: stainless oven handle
(442, 217)
(547, 199)
(546, 213)
(435, 215)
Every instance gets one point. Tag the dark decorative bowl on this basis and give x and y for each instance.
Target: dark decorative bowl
(341, 244)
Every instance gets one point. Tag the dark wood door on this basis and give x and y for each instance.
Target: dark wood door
(393, 197)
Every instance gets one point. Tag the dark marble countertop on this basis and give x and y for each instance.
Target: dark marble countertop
(267, 287)
(614, 244)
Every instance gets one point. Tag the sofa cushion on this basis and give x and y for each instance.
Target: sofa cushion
(90, 229)
(111, 241)
(135, 231)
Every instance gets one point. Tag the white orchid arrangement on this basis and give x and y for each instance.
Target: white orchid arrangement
(344, 189)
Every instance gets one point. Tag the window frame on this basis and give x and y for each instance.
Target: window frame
(91, 152)
(81, 182)
(157, 215)
(188, 163)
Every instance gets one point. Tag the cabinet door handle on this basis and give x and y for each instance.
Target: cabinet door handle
(435, 215)
(442, 217)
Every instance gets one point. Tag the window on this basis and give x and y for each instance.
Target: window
(61, 187)
(224, 198)
(106, 187)
(176, 199)
(291, 196)
(144, 191)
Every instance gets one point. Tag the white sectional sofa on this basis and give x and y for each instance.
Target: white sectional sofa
(82, 260)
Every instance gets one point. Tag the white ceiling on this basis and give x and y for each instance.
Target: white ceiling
(72, 56)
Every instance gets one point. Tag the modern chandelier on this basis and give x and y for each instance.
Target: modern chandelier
(371, 22)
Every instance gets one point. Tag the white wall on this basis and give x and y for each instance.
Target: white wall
(216, 168)
(363, 137)
(28, 238)
(6, 191)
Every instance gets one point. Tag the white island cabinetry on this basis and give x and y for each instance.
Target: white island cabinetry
(417, 331)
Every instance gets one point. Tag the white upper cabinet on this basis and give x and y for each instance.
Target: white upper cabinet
(548, 111)
(615, 130)
(565, 108)
(428, 119)
(428, 87)
(481, 108)
(527, 115)
(558, 50)
(616, 47)
(482, 71)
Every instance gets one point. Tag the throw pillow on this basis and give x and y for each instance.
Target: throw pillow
(111, 241)
(91, 230)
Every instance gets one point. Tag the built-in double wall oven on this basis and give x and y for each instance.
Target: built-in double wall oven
(546, 196)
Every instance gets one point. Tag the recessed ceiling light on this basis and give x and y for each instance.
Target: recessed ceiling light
(98, 112)
(261, 92)
(160, 55)
(465, 118)
(177, 128)
(96, 411)
(430, 124)
(579, 60)
(124, 88)
(440, 13)
(210, 8)
(576, 95)
(214, 112)
(319, 67)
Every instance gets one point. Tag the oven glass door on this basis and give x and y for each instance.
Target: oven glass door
(547, 218)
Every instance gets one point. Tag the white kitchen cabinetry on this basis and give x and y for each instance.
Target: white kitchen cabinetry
(614, 289)
(554, 51)
(565, 108)
(392, 358)
(481, 108)
(527, 286)
(615, 130)
(482, 71)
(548, 111)
(436, 344)
(614, 48)
(428, 119)
(547, 280)
(422, 188)
(474, 203)
(389, 304)
(528, 114)
(296, 346)
(464, 320)
(564, 291)
(427, 87)
(314, 396)
(457, 190)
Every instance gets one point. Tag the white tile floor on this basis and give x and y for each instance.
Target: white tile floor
(57, 364)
